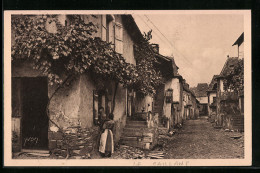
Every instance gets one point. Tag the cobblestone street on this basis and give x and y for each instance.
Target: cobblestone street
(198, 139)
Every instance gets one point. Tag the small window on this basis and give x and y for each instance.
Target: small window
(214, 99)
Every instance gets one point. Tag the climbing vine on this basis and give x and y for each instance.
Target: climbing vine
(148, 78)
(234, 77)
(70, 49)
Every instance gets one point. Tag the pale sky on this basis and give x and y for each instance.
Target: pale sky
(199, 43)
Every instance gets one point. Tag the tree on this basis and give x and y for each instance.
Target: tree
(148, 78)
(234, 77)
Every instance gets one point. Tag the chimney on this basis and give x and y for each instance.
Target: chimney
(155, 48)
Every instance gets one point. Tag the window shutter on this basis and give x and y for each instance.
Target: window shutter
(95, 107)
(118, 38)
(103, 28)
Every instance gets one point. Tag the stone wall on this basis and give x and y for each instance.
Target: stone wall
(74, 141)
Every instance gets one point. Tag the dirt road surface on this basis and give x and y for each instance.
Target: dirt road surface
(198, 139)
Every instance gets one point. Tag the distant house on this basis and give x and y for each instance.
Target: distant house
(201, 94)
(212, 98)
(190, 106)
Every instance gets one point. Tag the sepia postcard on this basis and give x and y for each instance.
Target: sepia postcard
(127, 88)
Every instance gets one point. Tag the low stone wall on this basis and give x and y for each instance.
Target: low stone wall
(75, 141)
(233, 122)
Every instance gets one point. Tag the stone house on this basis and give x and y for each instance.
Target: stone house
(201, 94)
(168, 98)
(74, 108)
(229, 110)
(187, 103)
(190, 103)
(212, 98)
(195, 106)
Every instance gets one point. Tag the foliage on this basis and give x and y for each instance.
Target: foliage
(72, 50)
(148, 77)
(234, 77)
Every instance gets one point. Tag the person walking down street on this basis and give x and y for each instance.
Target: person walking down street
(106, 146)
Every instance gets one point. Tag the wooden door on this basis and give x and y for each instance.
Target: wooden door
(34, 93)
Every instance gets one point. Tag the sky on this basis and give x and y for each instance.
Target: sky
(199, 43)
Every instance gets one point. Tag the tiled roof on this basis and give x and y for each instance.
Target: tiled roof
(213, 83)
(200, 90)
(229, 62)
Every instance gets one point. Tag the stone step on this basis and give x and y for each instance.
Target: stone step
(238, 123)
(132, 133)
(131, 129)
(133, 144)
(132, 122)
(129, 138)
(241, 119)
(237, 119)
(237, 126)
(138, 126)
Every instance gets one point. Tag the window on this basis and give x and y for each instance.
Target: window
(118, 38)
(214, 99)
(101, 98)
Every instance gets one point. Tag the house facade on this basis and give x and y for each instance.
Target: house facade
(212, 98)
(73, 109)
(168, 101)
(201, 94)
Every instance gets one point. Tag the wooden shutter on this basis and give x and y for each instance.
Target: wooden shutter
(118, 38)
(104, 27)
(95, 107)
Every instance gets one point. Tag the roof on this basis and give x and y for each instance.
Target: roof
(131, 26)
(240, 40)
(200, 90)
(231, 61)
(164, 65)
(168, 66)
(212, 85)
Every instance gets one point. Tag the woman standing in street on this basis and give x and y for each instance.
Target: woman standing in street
(106, 147)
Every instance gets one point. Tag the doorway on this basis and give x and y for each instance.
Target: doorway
(34, 122)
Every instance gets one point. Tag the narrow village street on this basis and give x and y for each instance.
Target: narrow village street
(198, 139)
(100, 87)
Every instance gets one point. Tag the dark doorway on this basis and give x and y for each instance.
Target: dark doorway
(34, 93)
